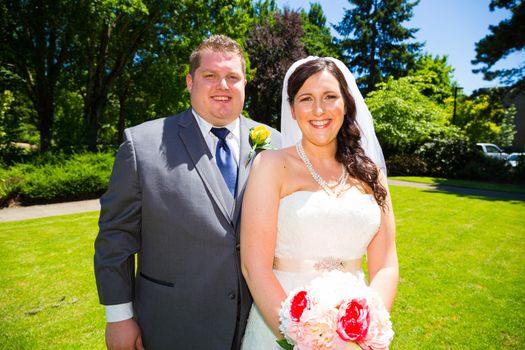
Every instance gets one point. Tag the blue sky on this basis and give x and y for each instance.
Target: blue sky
(448, 27)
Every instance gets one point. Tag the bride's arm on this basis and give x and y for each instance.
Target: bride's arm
(259, 232)
(383, 267)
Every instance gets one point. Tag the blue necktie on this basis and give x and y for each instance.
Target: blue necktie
(224, 159)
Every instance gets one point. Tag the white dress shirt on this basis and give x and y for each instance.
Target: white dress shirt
(121, 312)
(233, 139)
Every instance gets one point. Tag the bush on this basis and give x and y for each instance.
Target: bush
(406, 165)
(446, 158)
(10, 185)
(484, 168)
(518, 172)
(52, 178)
(458, 158)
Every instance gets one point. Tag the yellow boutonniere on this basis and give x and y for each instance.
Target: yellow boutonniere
(260, 140)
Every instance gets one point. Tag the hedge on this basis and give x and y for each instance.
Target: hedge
(56, 178)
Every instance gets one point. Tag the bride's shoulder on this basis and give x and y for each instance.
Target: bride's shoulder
(273, 161)
(274, 157)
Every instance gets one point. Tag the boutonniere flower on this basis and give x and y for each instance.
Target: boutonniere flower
(260, 140)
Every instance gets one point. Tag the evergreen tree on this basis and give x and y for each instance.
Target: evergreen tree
(317, 39)
(505, 38)
(375, 43)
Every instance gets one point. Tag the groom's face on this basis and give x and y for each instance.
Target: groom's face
(217, 87)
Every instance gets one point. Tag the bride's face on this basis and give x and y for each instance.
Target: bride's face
(319, 109)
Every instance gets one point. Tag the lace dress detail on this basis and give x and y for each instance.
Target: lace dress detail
(313, 226)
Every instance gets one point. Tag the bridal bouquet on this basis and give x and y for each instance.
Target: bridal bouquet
(335, 311)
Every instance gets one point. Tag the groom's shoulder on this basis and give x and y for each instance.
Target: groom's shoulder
(155, 127)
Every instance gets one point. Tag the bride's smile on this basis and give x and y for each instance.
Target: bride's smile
(319, 108)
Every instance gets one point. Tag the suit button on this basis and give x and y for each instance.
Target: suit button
(231, 294)
(238, 246)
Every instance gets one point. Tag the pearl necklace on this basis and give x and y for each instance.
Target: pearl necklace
(341, 182)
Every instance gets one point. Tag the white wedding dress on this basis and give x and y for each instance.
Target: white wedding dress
(315, 229)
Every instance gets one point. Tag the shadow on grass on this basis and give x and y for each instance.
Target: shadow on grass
(489, 186)
(445, 186)
(478, 193)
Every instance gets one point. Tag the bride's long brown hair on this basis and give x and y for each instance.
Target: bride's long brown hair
(349, 151)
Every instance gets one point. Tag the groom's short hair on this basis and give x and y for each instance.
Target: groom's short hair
(216, 43)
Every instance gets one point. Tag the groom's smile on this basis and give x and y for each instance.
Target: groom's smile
(217, 87)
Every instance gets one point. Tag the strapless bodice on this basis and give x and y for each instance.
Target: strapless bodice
(313, 225)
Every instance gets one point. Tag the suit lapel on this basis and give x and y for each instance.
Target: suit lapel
(245, 147)
(244, 165)
(201, 156)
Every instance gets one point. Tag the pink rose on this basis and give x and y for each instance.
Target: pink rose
(316, 329)
(353, 320)
(299, 303)
(380, 332)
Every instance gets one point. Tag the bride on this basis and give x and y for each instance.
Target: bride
(321, 203)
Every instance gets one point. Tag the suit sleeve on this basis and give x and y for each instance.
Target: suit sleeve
(118, 239)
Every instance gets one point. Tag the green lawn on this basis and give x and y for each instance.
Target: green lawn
(48, 294)
(462, 262)
(462, 265)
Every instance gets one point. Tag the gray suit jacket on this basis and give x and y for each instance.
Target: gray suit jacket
(168, 207)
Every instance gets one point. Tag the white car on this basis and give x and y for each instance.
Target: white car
(514, 158)
(492, 150)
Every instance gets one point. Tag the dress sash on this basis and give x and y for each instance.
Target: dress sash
(310, 265)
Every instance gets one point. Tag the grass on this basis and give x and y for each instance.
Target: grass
(491, 186)
(48, 293)
(462, 264)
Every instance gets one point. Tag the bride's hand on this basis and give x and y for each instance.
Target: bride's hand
(123, 335)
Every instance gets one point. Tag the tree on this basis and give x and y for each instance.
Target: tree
(484, 117)
(404, 118)
(158, 35)
(317, 39)
(113, 33)
(505, 38)
(272, 47)
(36, 44)
(375, 43)
(433, 77)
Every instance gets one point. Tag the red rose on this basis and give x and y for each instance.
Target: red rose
(353, 320)
(298, 304)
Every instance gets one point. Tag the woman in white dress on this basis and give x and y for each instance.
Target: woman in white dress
(322, 203)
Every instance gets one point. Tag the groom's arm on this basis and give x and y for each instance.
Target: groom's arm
(119, 236)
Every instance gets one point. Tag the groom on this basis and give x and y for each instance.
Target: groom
(173, 202)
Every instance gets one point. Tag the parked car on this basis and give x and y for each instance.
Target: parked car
(514, 158)
(492, 150)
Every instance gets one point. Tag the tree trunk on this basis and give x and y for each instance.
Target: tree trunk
(94, 105)
(93, 112)
(45, 109)
(121, 117)
(45, 124)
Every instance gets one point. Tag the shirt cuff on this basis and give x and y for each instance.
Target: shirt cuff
(119, 312)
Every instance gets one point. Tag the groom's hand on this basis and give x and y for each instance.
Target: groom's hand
(123, 335)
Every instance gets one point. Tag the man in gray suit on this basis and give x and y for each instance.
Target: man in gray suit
(173, 201)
